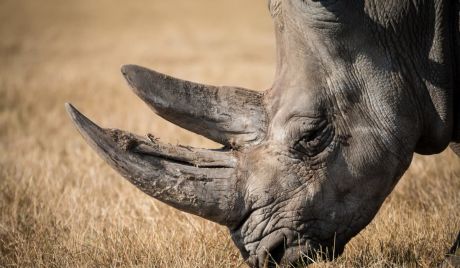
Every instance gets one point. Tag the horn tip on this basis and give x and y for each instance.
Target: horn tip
(82, 123)
(127, 69)
(130, 73)
(71, 110)
(77, 117)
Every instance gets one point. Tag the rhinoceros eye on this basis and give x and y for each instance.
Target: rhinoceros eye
(326, 9)
(315, 141)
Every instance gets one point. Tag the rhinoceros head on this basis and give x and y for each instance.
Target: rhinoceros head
(360, 86)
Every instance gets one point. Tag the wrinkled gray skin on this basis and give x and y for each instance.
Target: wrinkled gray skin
(360, 86)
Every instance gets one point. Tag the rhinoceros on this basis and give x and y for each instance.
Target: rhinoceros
(360, 87)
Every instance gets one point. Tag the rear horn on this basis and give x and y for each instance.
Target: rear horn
(231, 116)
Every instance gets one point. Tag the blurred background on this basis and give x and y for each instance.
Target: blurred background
(60, 205)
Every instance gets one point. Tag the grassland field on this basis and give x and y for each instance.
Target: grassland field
(62, 206)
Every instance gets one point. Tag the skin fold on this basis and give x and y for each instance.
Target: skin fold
(360, 86)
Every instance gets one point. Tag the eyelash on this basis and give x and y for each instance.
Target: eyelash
(326, 4)
(314, 142)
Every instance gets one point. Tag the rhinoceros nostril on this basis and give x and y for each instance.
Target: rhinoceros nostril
(276, 254)
(273, 255)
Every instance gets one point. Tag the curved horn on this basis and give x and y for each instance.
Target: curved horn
(228, 115)
(197, 181)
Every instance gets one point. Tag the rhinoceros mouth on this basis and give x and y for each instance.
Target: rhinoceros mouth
(286, 245)
(302, 253)
(295, 254)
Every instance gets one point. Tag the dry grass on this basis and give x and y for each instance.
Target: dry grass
(60, 205)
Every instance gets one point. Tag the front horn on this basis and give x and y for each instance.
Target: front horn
(198, 181)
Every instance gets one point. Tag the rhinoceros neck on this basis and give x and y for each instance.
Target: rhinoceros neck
(439, 79)
(422, 45)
